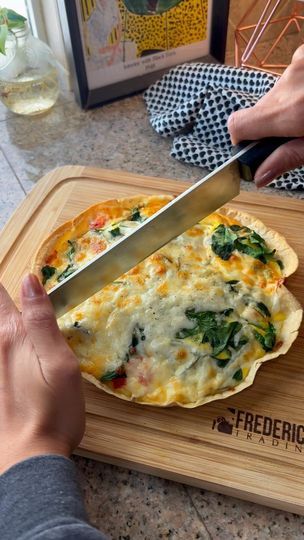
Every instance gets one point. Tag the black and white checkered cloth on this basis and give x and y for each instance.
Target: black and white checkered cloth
(192, 103)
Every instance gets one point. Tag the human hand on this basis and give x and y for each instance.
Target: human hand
(280, 113)
(41, 399)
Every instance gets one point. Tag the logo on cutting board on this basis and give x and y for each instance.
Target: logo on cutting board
(261, 430)
(223, 425)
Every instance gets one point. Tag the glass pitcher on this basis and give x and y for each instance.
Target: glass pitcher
(28, 74)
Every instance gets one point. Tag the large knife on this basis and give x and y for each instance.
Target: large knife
(197, 202)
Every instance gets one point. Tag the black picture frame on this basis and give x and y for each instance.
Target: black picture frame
(88, 97)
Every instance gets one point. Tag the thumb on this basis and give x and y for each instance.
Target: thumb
(39, 321)
(246, 124)
(283, 159)
(298, 54)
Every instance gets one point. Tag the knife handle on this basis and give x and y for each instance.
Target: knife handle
(251, 160)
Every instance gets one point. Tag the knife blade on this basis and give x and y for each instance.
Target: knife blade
(187, 209)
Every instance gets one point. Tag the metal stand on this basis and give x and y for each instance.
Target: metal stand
(245, 48)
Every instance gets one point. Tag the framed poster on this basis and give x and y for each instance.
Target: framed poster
(117, 47)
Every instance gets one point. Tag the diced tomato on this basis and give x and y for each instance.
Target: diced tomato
(97, 247)
(142, 379)
(119, 382)
(98, 223)
(145, 378)
(51, 257)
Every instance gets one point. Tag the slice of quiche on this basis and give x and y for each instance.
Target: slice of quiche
(190, 324)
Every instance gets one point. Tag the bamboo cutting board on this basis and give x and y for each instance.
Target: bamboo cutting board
(250, 445)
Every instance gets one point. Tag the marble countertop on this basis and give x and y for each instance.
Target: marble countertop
(126, 504)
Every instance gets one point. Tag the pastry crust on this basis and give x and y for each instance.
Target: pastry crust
(116, 210)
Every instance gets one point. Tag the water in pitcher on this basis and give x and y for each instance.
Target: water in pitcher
(30, 94)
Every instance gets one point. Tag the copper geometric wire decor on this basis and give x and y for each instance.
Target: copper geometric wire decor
(249, 36)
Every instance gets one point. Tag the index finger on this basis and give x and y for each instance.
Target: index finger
(10, 319)
(257, 122)
(7, 306)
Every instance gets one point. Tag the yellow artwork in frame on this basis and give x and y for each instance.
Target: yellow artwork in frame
(122, 30)
(116, 47)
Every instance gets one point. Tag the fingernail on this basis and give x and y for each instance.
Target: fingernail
(229, 126)
(264, 179)
(31, 286)
(229, 121)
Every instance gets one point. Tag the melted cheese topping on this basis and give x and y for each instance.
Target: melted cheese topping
(156, 334)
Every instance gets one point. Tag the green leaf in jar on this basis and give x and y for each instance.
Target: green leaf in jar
(9, 20)
(15, 20)
(3, 37)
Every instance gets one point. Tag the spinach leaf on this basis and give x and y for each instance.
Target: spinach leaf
(137, 336)
(224, 356)
(81, 328)
(142, 334)
(232, 284)
(258, 251)
(134, 341)
(115, 231)
(188, 332)
(223, 336)
(244, 246)
(211, 328)
(222, 242)
(109, 376)
(243, 341)
(66, 272)
(238, 375)
(239, 228)
(135, 216)
(266, 338)
(227, 312)
(262, 309)
(116, 374)
(72, 250)
(222, 363)
(255, 238)
(226, 239)
(205, 319)
(47, 272)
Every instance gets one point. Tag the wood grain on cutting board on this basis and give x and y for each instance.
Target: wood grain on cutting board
(220, 446)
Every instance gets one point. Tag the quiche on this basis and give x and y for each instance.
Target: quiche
(190, 324)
